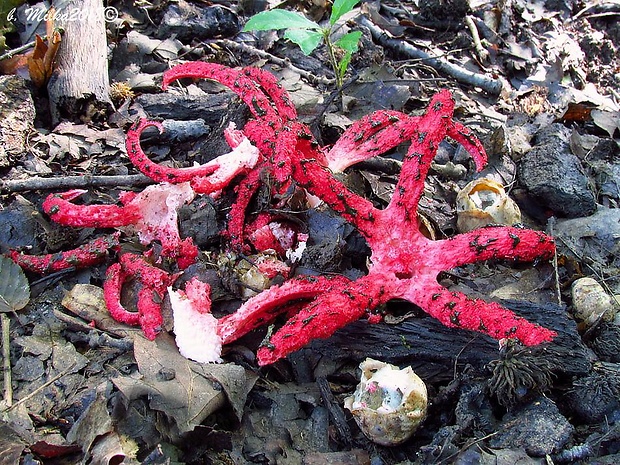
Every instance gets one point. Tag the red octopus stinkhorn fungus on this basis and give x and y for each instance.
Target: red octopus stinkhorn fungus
(404, 263)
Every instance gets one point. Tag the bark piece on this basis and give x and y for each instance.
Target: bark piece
(16, 117)
(433, 349)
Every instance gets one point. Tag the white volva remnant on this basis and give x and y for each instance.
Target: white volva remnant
(195, 328)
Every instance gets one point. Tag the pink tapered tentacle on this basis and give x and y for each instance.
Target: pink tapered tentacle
(157, 172)
(86, 255)
(456, 310)
(61, 210)
(496, 242)
(328, 312)
(266, 306)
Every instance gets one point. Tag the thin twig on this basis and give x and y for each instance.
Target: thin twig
(490, 85)
(6, 357)
(73, 182)
(19, 49)
(556, 272)
(483, 53)
(245, 48)
(469, 444)
(43, 386)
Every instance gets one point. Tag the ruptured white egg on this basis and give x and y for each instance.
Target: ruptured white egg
(389, 403)
(482, 202)
(591, 302)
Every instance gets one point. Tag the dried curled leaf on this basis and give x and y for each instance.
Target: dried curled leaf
(41, 62)
(14, 287)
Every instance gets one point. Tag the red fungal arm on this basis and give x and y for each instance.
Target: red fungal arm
(158, 205)
(340, 305)
(264, 307)
(154, 282)
(84, 256)
(272, 88)
(236, 217)
(317, 180)
(150, 276)
(156, 172)
(112, 289)
(372, 135)
(430, 130)
(239, 82)
(495, 242)
(469, 141)
(62, 211)
(456, 310)
(243, 158)
(259, 90)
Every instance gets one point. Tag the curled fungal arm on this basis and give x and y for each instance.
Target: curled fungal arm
(60, 209)
(153, 170)
(154, 283)
(83, 256)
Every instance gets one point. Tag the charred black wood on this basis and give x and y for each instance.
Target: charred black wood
(435, 351)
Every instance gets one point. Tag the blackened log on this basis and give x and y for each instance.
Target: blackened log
(435, 351)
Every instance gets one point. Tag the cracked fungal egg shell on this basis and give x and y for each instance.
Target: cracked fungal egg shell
(389, 403)
(482, 202)
(591, 303)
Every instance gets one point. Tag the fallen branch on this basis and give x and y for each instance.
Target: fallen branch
(462, 75)
(73, 182)
(21, 49)
(245, 48)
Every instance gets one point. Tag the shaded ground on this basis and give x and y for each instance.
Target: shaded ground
(89, 390)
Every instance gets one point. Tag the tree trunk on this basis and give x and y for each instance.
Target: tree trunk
(79, 87)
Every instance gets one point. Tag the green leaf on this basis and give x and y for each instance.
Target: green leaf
(349, 41)
(341, 7)
(343, 64)
(14, 287)
(307, 40)
(279, 19)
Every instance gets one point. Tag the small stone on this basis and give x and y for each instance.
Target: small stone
(555, 177)
(538, 427)
(591, 302)
(193, 22)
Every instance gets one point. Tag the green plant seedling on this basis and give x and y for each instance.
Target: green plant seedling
(308, 35)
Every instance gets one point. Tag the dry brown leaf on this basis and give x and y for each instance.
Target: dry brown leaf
(86, 301)
(36, 67)
(41, 62)
(184, 390)
(576, 112)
